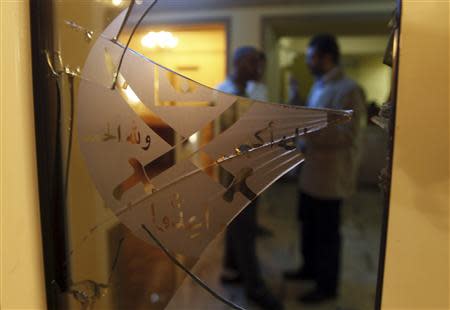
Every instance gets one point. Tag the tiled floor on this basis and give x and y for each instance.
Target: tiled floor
(361, 230)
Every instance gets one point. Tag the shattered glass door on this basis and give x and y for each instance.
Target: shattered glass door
(155, 165)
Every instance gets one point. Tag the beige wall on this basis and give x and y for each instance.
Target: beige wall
(373, 76)
(417, 262)
(21, 273)
(246, 28)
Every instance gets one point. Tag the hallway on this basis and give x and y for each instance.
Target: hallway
(361, 231)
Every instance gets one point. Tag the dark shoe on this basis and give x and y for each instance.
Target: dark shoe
(298, 275)
(265, 300)
(316, 296)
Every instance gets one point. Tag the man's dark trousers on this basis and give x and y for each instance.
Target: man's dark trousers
(240, 248)
(320, 240)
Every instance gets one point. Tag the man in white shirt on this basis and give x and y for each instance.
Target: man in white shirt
(240, 260)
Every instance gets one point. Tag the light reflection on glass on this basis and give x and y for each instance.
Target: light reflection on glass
(161, 39)
(131, 95)
(194, 138)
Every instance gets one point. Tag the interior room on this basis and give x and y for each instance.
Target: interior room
(199, 44)
(227, 154)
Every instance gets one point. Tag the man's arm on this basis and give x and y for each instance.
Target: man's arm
(343, 135)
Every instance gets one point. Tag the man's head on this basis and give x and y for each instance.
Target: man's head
(322, 54)
(245, 63)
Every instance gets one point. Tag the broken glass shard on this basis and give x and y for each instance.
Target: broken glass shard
(171, 156)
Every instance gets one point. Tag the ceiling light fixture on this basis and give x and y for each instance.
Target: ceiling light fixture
(162, 39)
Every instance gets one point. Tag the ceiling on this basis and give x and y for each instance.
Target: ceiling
(167, 5)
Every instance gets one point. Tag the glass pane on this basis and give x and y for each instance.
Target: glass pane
(159, 162)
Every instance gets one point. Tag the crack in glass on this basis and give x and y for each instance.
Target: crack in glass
(174, 160)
